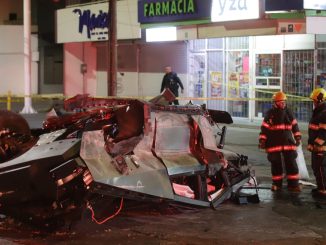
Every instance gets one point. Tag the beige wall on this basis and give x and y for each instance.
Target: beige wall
(75, 82)
(12, 60)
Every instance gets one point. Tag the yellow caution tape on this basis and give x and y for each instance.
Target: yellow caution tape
(18, 98)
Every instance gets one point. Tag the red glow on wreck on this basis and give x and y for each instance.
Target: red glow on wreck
(106, 219)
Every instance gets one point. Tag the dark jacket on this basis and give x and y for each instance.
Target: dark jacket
(279, 130)
(317, 129)
(172, 82)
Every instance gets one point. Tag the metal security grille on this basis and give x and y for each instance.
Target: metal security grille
(321, 65)
(237, 43)
(321, 58)
(298, 74)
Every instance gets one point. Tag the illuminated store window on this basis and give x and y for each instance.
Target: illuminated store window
(198, 45)
(268, 80)
(216, 78)
(215, 43)
(237, 76)
(268, 70)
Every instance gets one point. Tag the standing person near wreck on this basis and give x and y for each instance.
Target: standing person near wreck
(279, 136)
(172, 82)
(317, 140)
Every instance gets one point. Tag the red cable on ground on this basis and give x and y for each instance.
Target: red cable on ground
(106, 219)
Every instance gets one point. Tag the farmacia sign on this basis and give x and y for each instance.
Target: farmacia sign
(160, 11)
(175, 7)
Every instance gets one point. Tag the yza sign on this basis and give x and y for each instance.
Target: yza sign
(229, 10)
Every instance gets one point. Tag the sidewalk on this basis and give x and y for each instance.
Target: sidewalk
(255, 124)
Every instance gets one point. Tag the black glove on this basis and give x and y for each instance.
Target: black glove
(297, 141)
(262, 144)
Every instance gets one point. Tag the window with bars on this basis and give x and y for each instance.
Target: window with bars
(321, 65)
(321, 60)
(237, 43)
(298, 75)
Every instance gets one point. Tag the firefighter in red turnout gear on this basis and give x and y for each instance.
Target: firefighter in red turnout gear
(280, 136)
(317, 140)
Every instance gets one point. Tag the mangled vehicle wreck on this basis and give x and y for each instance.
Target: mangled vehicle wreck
(119, 148)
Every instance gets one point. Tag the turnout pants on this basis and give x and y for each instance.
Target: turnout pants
(318, 165)
(290, 165)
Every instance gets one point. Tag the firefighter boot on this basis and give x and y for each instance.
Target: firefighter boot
(295, 189)
(293, 185)
(276, 186)
(319, 193)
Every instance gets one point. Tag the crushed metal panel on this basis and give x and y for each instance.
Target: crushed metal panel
(191, 201)
(50, 137)
(229, 155)
(149, 176)
(31, 172)
(207, 131)
(182, 164)
(64, 149)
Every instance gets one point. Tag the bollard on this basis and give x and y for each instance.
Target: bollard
(9, 101)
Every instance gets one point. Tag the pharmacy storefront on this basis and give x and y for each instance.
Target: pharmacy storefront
(240, 74)
(242, 54)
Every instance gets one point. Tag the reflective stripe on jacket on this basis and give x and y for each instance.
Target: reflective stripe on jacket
(278, 129)
(317, 129)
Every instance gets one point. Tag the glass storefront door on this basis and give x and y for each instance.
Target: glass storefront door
(267, 81)
(238, 83)
(197, 76)
(216, 86)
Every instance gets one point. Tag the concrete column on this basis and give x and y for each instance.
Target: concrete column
(28, 109)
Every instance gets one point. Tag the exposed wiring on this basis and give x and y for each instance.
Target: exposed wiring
(255, 183)
(106, 219)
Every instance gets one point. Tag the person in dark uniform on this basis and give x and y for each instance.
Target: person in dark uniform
(317, 140)
(172, 82)
(280, 136)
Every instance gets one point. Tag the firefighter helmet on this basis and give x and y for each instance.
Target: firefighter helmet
(318, 94)
(278, 96)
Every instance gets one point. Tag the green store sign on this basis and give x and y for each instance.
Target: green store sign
(169, 8)
(160, 11)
